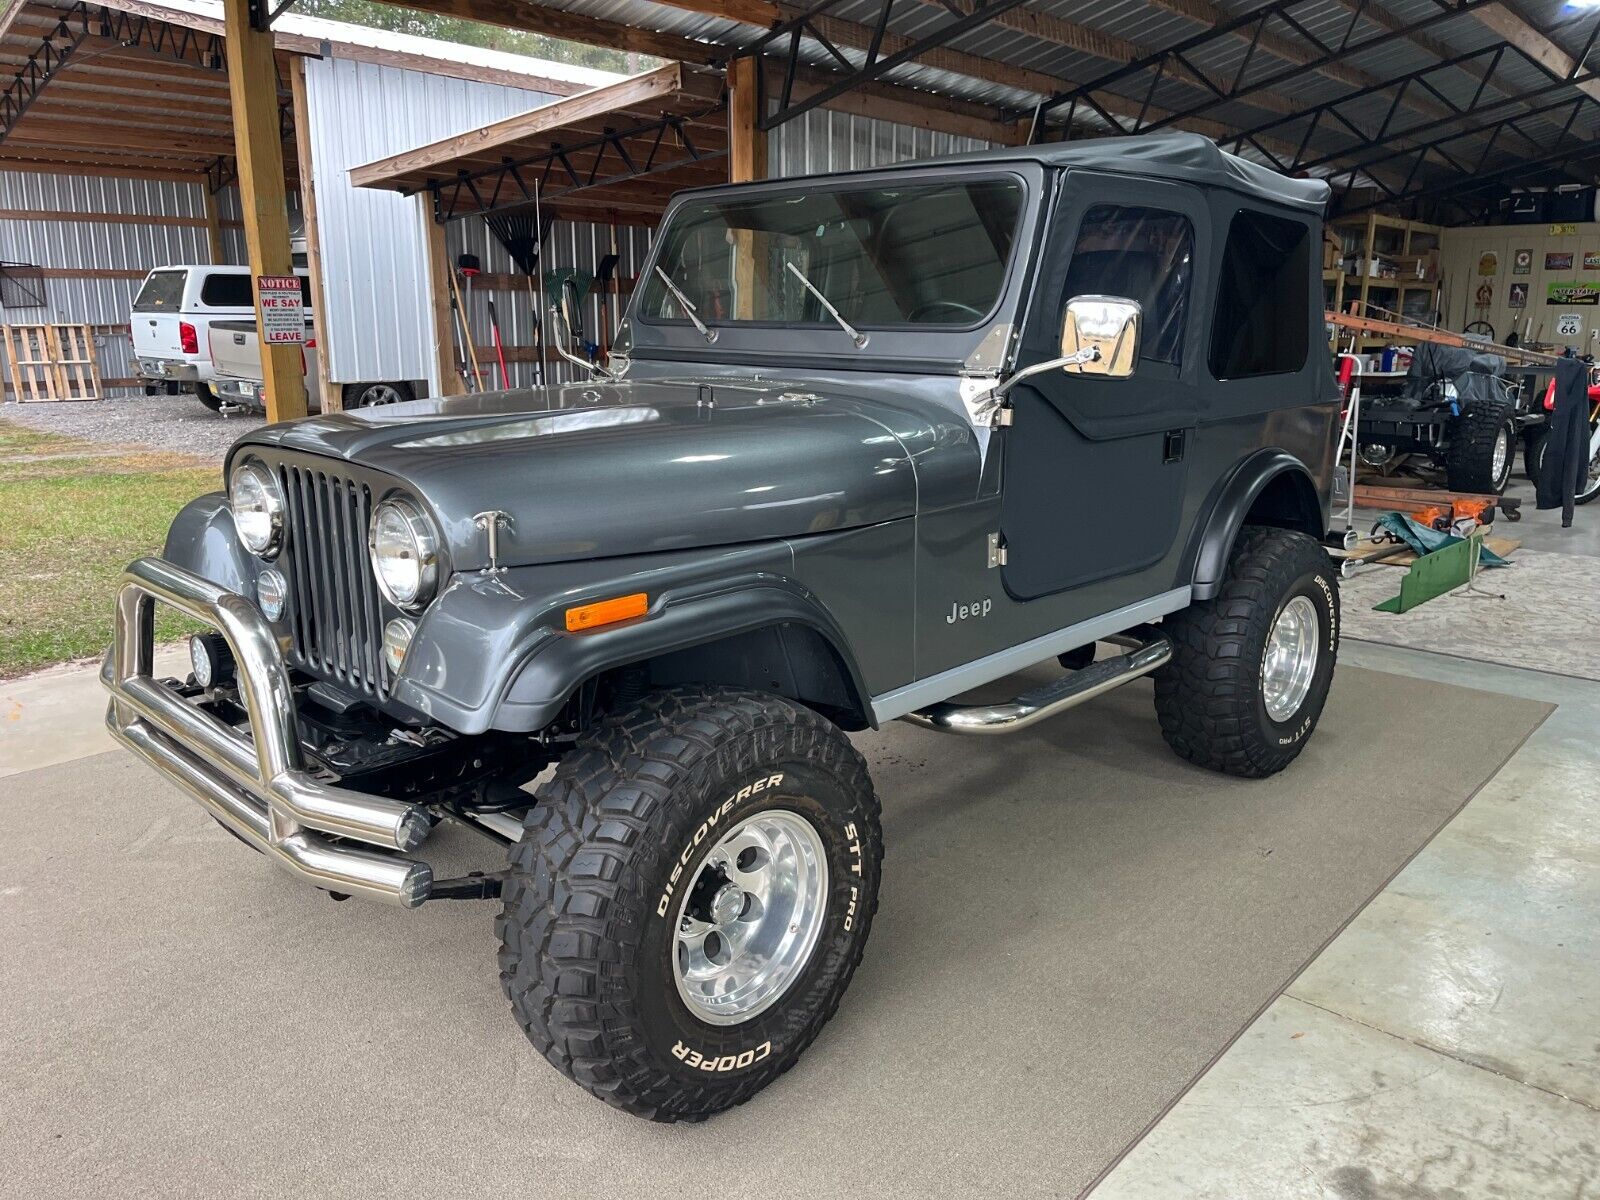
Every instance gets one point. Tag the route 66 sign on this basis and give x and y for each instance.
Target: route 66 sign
(1569, 325)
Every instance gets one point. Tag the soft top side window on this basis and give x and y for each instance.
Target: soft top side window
(1143, 254)
(1263, 317)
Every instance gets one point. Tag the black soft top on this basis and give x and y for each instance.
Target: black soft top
(1182, 156)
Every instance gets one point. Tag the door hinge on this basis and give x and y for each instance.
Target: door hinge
(1172, 446)
(1002, 417)
(997, 551)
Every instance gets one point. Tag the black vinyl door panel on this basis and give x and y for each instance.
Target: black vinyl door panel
(1077, 511)
(1094, 467)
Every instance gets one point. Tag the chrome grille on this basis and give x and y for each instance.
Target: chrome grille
(336, 622)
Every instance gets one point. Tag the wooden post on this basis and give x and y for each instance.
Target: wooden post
(747, 141)
(444, 334)
(213, 222)
(258, 147)
(747, 161)
(332, 394)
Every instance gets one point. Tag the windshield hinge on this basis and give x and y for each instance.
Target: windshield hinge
(997, 551)
(1002, 417)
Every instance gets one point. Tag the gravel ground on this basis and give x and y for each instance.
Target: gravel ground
(178, 424)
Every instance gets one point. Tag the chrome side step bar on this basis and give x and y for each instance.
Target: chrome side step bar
(1150, 649)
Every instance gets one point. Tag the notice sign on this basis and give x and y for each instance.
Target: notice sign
(283, 317)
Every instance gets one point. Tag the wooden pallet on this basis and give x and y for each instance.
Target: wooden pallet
(52, 362)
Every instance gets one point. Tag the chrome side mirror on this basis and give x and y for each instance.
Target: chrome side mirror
(1108, 325)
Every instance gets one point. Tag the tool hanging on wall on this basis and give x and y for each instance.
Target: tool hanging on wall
(522, 235)
(499, 347)
(458, 331)
(461, 314)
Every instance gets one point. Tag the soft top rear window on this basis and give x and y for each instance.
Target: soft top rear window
(162, 292)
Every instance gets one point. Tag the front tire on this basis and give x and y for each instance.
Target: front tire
(1251, 667)
(640, 949)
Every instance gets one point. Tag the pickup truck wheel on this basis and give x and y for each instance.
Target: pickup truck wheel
(690, 898)
(374, 395)
(1482, 445)
(207, 397)
(1250, 668)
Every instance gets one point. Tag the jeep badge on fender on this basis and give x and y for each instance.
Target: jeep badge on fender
(931, 447)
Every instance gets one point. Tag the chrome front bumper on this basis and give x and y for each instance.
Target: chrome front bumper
(255, 785)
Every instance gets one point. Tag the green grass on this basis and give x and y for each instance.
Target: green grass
(72, 515)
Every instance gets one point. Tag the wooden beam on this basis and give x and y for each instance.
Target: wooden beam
(332, 395)
(98, 218)
(1521, 33)
(252, 79)
(640, 91)
(747, 141)
(219, 254)
(12, 161)
(444, 329)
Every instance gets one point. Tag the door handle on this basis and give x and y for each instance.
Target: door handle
(1172, 446)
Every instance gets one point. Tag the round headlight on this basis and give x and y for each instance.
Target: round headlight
(257, 505)
(405, 553)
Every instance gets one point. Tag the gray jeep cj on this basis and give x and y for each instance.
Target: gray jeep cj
(867, 442)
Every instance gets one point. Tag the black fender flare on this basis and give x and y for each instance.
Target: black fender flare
(540, 684)
(1214, 540)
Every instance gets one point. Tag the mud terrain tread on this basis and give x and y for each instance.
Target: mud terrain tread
(1468, 458)
(1206, 696)
(601, 826)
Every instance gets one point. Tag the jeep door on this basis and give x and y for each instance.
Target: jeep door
(1094, 470)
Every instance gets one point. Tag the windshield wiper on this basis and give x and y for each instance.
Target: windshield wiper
(856, 336)
(688, 309)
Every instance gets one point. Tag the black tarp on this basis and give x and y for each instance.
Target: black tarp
(1475, 374)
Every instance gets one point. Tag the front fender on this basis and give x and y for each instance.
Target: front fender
(493, 652)
(202, 539)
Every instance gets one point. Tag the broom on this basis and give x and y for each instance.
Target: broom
(522, 234)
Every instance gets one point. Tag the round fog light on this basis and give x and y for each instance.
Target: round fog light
(271, 588)
(397, 635)
(210, 659)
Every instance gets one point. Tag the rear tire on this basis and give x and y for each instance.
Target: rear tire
(636, 947)
(1482, 446)
(207, 397)
(1223, 701)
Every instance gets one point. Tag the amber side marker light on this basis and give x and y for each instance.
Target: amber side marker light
(607, 612)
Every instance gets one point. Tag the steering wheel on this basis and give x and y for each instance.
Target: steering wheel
(953, 305)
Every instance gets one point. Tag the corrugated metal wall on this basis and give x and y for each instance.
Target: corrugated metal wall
(820, 141)
(379, 324)
(87, 247)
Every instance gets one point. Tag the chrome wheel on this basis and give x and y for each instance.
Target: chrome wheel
(379, 393)
(1291, 659)
(1500, 461)
(749, 920)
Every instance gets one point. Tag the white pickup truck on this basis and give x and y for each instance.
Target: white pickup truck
(236, 362)
(172, 318)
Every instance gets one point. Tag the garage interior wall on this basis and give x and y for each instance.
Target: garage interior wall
(374, 262)
(1462, 261)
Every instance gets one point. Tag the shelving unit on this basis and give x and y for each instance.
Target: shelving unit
(1374, 236)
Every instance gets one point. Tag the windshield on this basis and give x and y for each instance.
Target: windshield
(928, 254)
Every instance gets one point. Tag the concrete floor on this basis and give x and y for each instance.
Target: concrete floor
(1446, 1045)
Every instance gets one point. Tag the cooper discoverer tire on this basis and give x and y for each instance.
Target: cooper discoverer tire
(1482, 446)
(1212, 696)
(627, 856)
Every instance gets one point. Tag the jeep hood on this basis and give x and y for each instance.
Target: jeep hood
(600, 470)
